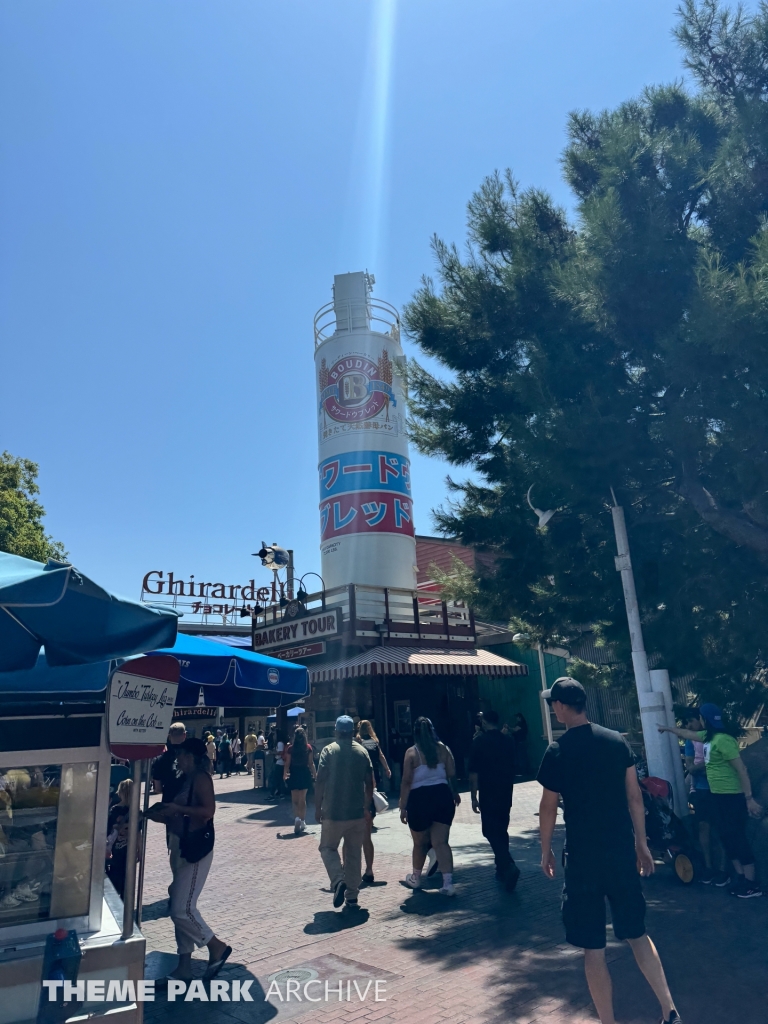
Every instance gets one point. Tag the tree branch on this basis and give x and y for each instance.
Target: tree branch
(736, 526)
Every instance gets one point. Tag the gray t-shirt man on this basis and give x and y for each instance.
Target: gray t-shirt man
(342, 773)
(343, 793)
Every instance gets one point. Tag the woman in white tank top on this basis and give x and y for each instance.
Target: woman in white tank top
(428, 801)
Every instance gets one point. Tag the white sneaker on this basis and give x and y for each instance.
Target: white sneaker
(448, 890)
(297, 826)
(412, 881)
(9, 902)
(303, 826)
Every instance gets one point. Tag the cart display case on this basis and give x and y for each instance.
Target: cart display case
(54, 795)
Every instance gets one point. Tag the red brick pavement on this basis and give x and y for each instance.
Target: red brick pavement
(481, 958)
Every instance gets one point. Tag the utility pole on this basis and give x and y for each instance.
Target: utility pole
(659, 753)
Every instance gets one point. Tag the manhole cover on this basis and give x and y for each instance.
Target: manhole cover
(300, 974)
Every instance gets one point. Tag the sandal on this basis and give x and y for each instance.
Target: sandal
(213, 968)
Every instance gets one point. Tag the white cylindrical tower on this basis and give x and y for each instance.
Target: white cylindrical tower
(366, 511)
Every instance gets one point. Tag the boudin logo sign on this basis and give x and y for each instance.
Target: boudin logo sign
(320, 624)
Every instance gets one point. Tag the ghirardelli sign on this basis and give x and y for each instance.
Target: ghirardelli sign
(310, 627)
(158, 582)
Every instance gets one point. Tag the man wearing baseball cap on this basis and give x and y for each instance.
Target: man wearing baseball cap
(593, 770)
(343, 794)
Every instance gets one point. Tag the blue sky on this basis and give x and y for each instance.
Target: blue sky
(179, 182)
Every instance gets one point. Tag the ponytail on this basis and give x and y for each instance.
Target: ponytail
(426, 740)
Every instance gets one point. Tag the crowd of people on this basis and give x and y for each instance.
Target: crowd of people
(590, 771)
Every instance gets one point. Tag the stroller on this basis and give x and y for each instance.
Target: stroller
(667, 835)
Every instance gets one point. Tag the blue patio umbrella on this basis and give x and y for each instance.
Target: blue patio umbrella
(233, 677)
(76, 620)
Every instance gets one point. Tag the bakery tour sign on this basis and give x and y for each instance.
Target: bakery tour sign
(311, 627)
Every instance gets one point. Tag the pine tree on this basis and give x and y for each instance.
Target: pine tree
(627, 349)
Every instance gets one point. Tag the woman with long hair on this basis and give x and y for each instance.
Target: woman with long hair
(190, 833)
(428, 802)
(298, 770)
(367, 738)
(731, 800)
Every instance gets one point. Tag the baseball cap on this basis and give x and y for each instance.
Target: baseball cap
(712, 715)
(345, 724)
(567, 691)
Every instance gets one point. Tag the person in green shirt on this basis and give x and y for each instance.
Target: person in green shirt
(731, 796)
(343, 795)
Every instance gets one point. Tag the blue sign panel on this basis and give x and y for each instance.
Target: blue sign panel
(365, 471)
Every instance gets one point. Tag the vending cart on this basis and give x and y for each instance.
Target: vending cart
(54, 899)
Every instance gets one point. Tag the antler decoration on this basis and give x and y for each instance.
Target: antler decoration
(544, 517)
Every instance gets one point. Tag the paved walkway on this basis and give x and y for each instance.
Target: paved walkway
(484, 957)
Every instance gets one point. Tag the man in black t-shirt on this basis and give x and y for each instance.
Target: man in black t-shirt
(593, 770)
(492, 773)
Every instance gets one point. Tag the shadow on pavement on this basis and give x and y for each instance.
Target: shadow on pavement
(254, 1011)
(519, 940)
(428, 904)
(154, 911)
(247, 796)
(329, 921)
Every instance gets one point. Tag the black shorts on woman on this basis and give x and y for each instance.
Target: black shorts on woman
(299, 778)
(430, 805)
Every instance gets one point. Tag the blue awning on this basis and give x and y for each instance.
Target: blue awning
(233, 677)
(56, 681)
(78, 622)
(229, 677)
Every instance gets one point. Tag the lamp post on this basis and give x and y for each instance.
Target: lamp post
(655, 704)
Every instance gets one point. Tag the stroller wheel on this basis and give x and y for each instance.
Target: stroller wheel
(683, 867)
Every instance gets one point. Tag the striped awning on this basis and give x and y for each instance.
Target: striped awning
(418, 661)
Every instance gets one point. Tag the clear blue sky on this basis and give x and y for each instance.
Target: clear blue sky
(179, 182)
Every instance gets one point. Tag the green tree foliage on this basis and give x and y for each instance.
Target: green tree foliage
(458, 584)
(21, 514)
(627, 348)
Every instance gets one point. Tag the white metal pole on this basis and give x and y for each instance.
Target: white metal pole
(652, 709)
(129, 892)
(147, 771)
(661, 684)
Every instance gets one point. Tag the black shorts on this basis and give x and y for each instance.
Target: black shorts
(583, 907)
(700, 800)
(430, 805)
(299, 778)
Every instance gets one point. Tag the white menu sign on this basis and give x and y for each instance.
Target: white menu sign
(140, 709)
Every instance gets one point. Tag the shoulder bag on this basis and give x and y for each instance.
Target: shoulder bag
(193, 846)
